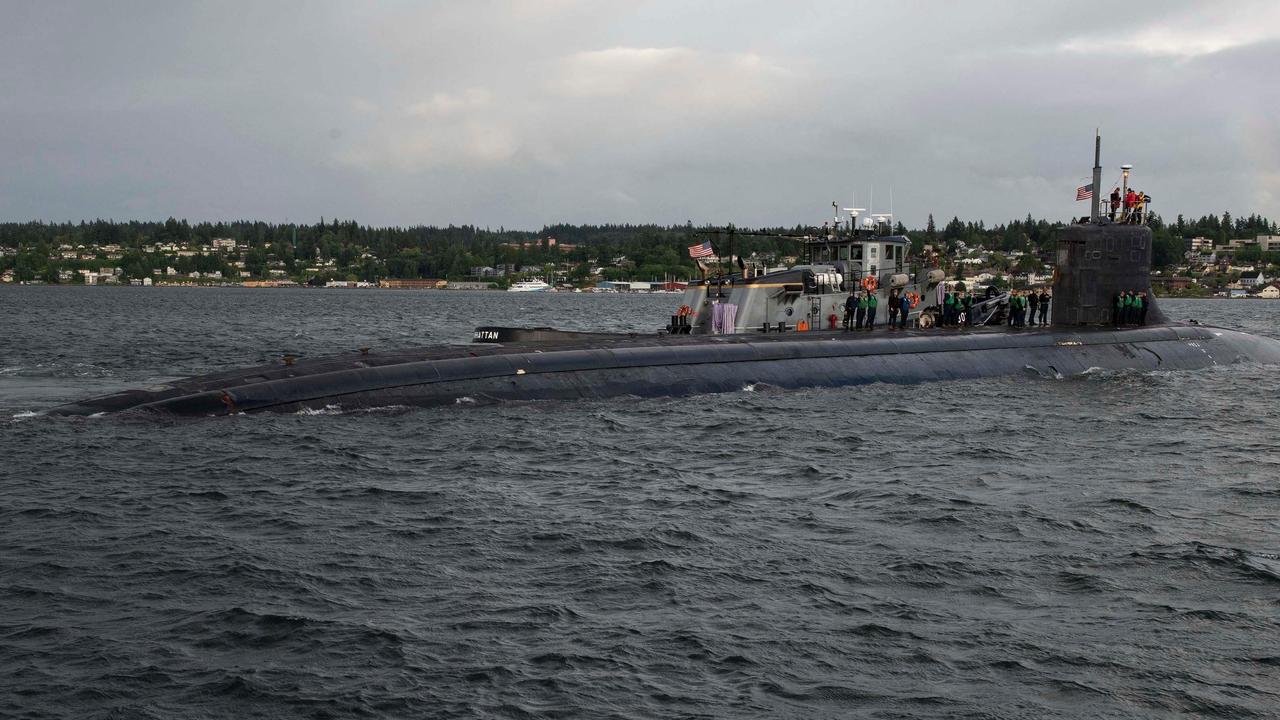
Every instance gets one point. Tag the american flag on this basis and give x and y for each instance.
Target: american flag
(701, 251)
(1084, 192)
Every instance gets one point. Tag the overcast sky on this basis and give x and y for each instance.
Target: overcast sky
(525, 112)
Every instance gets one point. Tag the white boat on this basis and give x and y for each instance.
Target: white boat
(529, 286)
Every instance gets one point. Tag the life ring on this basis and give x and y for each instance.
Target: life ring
(684, 311)
(913, 299)
(869, 283)
(802, 326)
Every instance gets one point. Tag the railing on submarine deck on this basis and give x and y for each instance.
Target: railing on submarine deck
(1136, 215)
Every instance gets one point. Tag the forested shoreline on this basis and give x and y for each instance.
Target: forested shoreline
(346, 249)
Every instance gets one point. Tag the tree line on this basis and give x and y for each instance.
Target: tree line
(641, 251)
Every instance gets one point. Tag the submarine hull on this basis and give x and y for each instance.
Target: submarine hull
(587, 366)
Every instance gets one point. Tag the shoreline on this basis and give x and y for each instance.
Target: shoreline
(585, 291)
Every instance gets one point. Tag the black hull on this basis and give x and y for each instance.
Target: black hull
(602, 366)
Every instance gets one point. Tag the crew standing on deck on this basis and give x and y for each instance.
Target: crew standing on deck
(1034, 301)
(1144, 303)
(968, 309)
(895, 304)
(871, 309)
(1115, 204)
(948, 309)
(850, 308)
(862, 312)
(1045, 296)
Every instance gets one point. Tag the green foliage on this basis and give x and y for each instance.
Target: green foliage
(648, 252)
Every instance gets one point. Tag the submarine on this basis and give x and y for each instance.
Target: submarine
(758, 326)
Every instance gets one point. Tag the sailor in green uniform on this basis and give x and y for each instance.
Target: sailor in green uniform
(871, 309)
(862, 313)
(1135, 312)
(1119, 309)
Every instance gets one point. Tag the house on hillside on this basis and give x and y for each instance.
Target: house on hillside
(1270, 292)
(1252, 278)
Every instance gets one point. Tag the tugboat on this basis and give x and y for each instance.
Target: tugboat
(761, 340)
(839, 261)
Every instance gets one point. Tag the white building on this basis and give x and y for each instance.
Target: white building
(1201, 244)
(1270, 292)
(1269, 243)
(1254, 278)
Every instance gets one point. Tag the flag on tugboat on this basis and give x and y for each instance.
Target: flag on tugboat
(1084, 192)
(701, 251)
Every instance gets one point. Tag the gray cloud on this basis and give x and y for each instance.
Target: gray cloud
(524, 112)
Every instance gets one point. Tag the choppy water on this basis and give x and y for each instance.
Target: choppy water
(1104, 546)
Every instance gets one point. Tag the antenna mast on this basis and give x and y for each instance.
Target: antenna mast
(1097, 177)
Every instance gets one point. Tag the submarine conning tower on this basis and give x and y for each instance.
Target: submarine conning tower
(1098, 258)
(1095, 263)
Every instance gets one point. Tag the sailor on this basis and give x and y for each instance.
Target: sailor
(1144, 303)
(1045, 296)
(862, 312)
(1126, 311)
(850, 308)
(871, 309)
(1130, 200)
(1034, 301)
(905, 308)
(948, 309)
(968, 309)
(1115, 203)
(895, 303)
(1136, 312)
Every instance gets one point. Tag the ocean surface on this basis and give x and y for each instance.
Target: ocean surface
(1099, 546)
